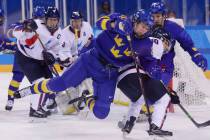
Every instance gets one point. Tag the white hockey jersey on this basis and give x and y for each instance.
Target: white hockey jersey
(157, 48)
(75, 41)
(29, 44)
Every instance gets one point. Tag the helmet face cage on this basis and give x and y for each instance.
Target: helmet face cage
(142, 16)
(75, 17)
(52, 12)
(38, 12)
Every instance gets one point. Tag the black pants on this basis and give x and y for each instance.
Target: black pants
(130, 86)
(32, 68)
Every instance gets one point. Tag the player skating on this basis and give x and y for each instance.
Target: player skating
(34, 60)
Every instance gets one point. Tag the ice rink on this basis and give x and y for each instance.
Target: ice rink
(16, 125)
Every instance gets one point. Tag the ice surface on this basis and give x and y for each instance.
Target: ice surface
(15, 125)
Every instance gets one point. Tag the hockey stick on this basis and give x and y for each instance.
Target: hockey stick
(51, 67)
(137, 65)
(80, 98)
(198, 125)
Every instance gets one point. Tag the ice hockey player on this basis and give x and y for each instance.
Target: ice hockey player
(75, 37)
(78, 34)
(155, 91)
(177, 33)
(34, 60)
(158, 12)
(150, 51)
(109, 52)
(18, 75)
(9, 46)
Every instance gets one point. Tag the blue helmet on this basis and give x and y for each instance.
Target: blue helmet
(142, 16)
(38, 12)
(76, 15)
(158, 7)
(52, 12)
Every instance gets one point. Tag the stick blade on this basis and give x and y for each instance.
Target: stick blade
(205, 124)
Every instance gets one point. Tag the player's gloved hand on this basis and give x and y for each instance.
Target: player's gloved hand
(174, 98)
(117, 16)
(200, 61)
(123, 27)
(65, 63)
(48, 58)
(30, 25)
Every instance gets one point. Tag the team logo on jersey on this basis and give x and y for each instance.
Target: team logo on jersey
(84, 34)
(118, 50)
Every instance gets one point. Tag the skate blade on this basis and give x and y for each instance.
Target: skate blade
(159, 137)
(155, 137)
(37, 120)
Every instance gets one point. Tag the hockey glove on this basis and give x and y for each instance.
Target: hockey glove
(29, 25)
(174, 99)
(117, 16)
(123, 27)
(200, 61)
(48, 58)
(65, 63)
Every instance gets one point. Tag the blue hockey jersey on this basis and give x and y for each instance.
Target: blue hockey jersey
(177, 33)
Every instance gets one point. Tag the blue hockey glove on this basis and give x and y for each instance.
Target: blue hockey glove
(123, 27)
(200, 61)
(117, 16)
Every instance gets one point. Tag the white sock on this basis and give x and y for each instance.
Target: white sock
(135, 107)
(160, 107)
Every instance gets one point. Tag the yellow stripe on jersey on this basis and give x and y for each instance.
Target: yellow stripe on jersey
(44, 86)
(10, 93)
(103, 24)
(103, 17)
(14, 83)
(90, 103)
(36, 90)
(194, 49)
